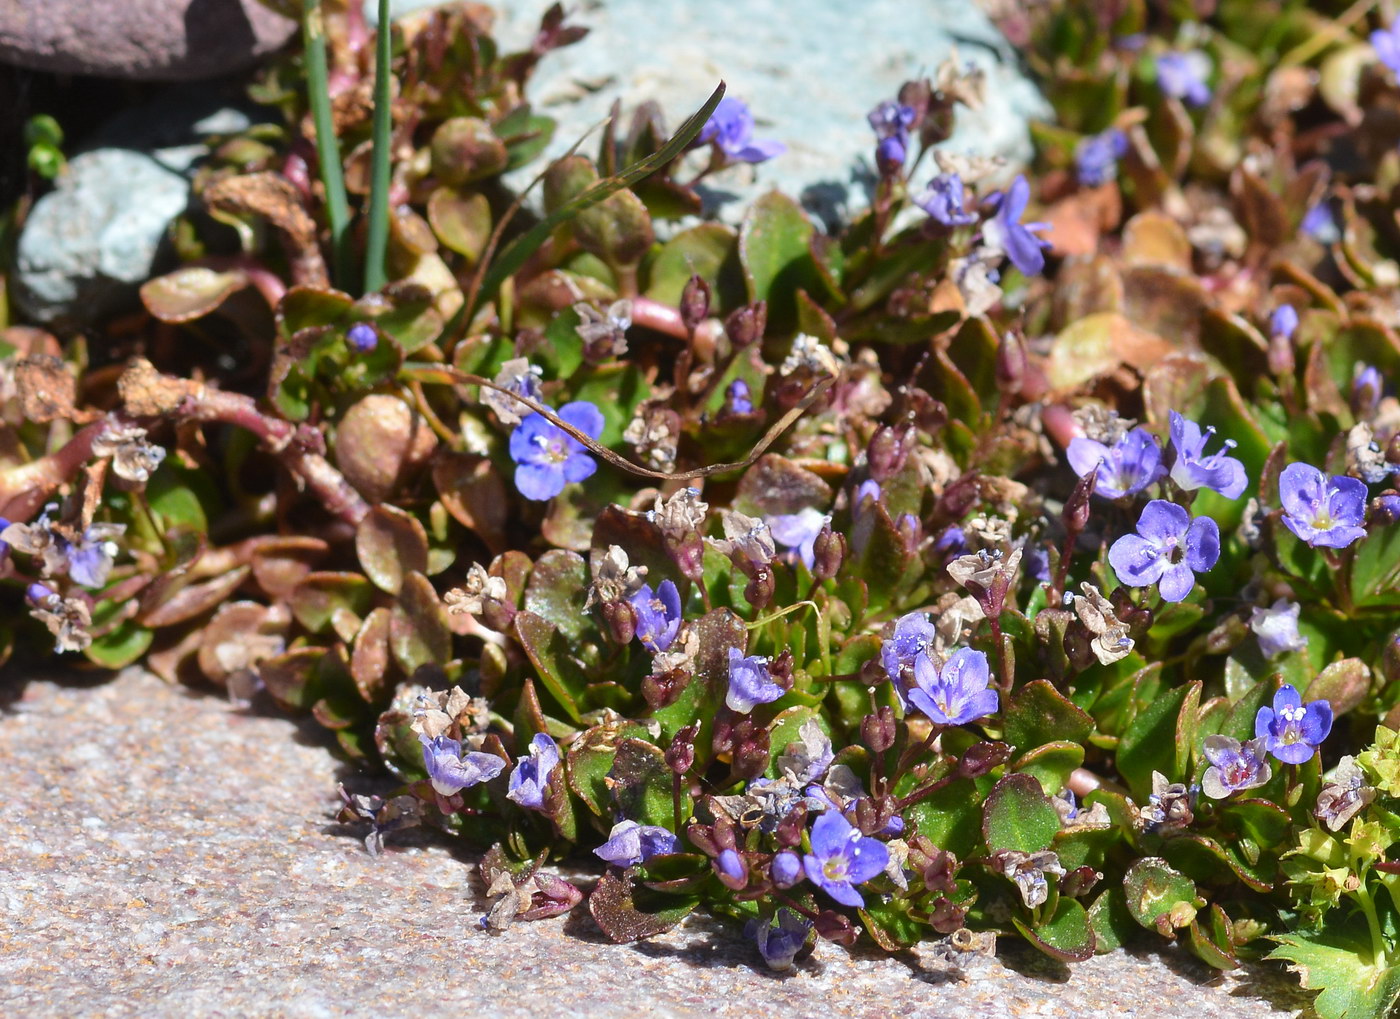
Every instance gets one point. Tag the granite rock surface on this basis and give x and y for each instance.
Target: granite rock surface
(167, 854)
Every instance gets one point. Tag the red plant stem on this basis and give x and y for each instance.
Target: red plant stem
(662, 318)
(23, 489)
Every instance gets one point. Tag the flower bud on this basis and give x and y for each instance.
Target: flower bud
(888, 451)
(828, 552)
(621, 618)
(878, 730)
(1079, 882)
(981, 758)
(731, 869)
(1281, 359)
(702, 837)
(911, 531)
(786, 869)
(662, 689)
(947, 917)
(780, 670)
(722, 831)
(695, 303)
(1385, 509)
(1366, 391)
(836, 927)
(680, 755)
(1076, 511)
(362, 337)
(751, 750)
(1011, 363)
(745, 326)
(759, 590)
(792, 826)
(890, 154)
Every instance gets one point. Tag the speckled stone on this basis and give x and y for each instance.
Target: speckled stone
(165, 854)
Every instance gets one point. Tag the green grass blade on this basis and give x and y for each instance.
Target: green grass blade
(313, 34)
(377, 241)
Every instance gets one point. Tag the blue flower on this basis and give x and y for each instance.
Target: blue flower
(1387, 44)
(1321, 510)
(731, 869)
(913, 635)
(450, 772)
(750, 682)
(1183, 76)
(786, 869)
(957, 693)
(549, 457)
(1129, 466)
(1277, 628)
(1319, 224)
(1096, 157)
(1284, 321)
(891, 122)
(362, 337)
(944, 202)
(737, 399)
(842, 858)
(1290, 730)
(730, 129)
(868, 489)
(799, 531)
(780, 941)
(1193, 469)
(532, 772)
(658, 615)
(1008, 234)
(1366, 390)
(630, 843)
(1169, 550)
(1234, 766)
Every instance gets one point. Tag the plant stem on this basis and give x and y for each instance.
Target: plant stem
(377, 242)
(313, 34)
(1368, 906)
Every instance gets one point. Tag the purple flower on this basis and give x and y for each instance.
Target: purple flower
(362, 337)
(531, 774)
(913, 635)
(943, 201)
(1168, 550)
(868, 489)
(1290, 730)
(799, 531)
(1319, 224)
(842, 858)
(891, 122)
(952, 542)
(786, 870)
(630, 842)
(750, 682)
(1387, 44)
(730, 128)
(450, 772)
(737, 399)
(780, 941)
(1385, 510)
(1366, 390)
(1129, 466)
(1096, 157)
(550, 457)
(1234, 766)
(1193, 469)
(1277, 628)
(1284, 321)
(731, 869)
(890, 154)
(658, 615)
(1321, 510)
(958, 692)
(1183, 76)
(1008, 234)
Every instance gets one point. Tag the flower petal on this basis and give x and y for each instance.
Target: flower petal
(1137, 561)
(1202, 544)
(539, 481)
(1176, 583)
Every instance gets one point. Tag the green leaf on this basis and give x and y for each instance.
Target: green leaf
(555, 592)
(950, 817)
(1154, 889)
(1051, 763)
(774, 248)
(418, 630)
(708, 250)
(1160, 738)
(549, 653)
(1038, 714)
(1376, 568)
(1338, 961)
(1067, 936)
(391, 543)
(1018, 815)
(890, 924)
(121, 646)
(1211, 940)
(641, 784)
(1113, 924)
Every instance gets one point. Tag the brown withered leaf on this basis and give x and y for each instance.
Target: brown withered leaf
(1098, 344)
(1154, 238)
(275, 199)
(1078, 221)
(47, 389)
(614, 907)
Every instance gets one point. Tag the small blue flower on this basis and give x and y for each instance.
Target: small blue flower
(1168, 550)
(658, 615)
(1319, 224)
(450, 772)
(1290, 730)
(1277, 628)
(1322, 510)
(1129, 466)
(1366, 390)
(631, 843)
(944, 202)
(1284, 321)
(786, 870)
(913, 635)
(532, 772)
(842, 858)
(1008, 234)
(1387, 45)
(737, 399)
(1193, 469)
(549, 457)
(957, 693)
(780, 939)
(799, 531)
(952, 542)
(1183, 76)
(1096, 157)
(1234, 766)
(362, 337)
(750, 683)
(891, 122)
(730, 129)
(869, 489)
(731, 869)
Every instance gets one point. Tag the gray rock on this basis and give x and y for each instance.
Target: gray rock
(810, 74)
(145, 40)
